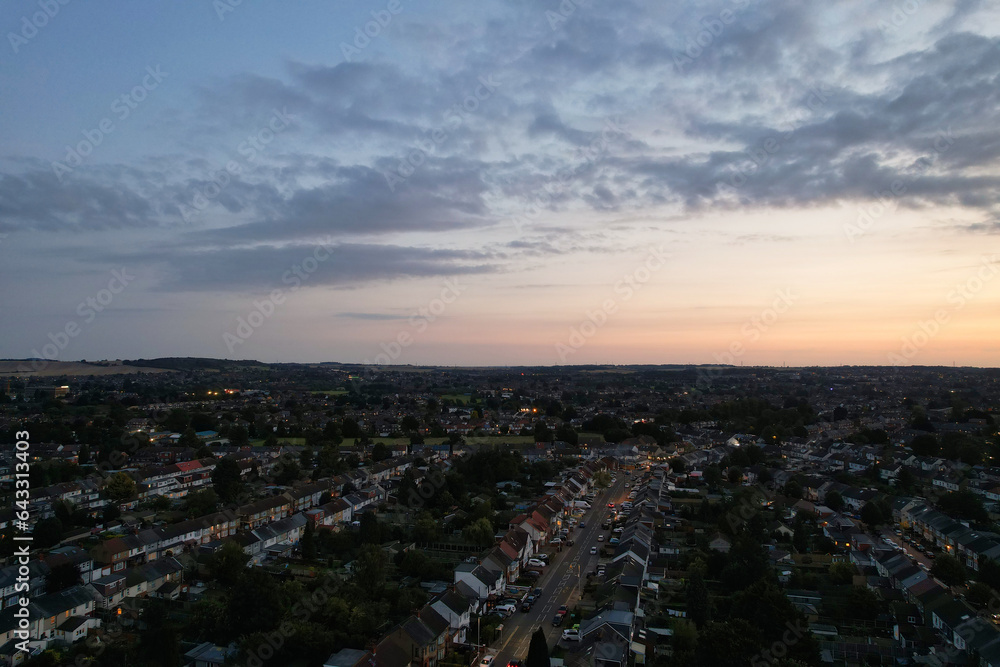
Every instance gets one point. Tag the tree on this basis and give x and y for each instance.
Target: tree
(768, 609)
(414, 563)
(328, 461)
(110, 513)
(308, 543)
(189, 439)
(684, 641)
(542, 432)
(370, 531)
(426, 528)
(238, 436)
(369, 570)
(834, 501)
(228, 564)
(538, 650)
(979, 594)
(380, 452)
(949, 570)
(47, 533)
(120, 487)
(287, 471)
(62, 576)
(350, 428)
(905, 479)
(567, 433)
(177, 420)
(793, 489)
(842, 573)
(226, 479)
(480, 532)
(696, 594)
(306, 457)
(963, 505)
(733, 642)
(863, 603)
(160, 504)
(925, 445)
(872, 514)
(200, 503)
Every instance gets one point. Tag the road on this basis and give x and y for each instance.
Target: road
(910, 551)
(563, 579)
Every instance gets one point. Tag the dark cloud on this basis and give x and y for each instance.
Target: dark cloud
(260, 269)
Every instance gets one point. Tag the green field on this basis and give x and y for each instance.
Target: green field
(329, 392)
(463, 399)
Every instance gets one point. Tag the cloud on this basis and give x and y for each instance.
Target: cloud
(848, 111)
(262, 268)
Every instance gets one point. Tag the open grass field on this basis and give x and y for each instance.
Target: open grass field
(463, 399)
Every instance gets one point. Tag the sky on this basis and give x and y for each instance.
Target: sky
(501, 183)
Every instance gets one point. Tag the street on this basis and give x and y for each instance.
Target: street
(910, 551)
(563, 580)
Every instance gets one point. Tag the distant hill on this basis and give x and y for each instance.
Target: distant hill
(193, 363)
(45, 368)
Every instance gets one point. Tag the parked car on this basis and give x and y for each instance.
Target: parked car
(505, 610)
(487, 660)
(583, 524)
(535, 562)
(600, 538)
(571, 635)
(593, 550)
(557, 620)
(537, 593)
(557, 540)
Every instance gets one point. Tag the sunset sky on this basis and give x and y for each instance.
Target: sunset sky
(514, 182)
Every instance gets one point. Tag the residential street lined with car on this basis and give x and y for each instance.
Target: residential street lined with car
(560, 585)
